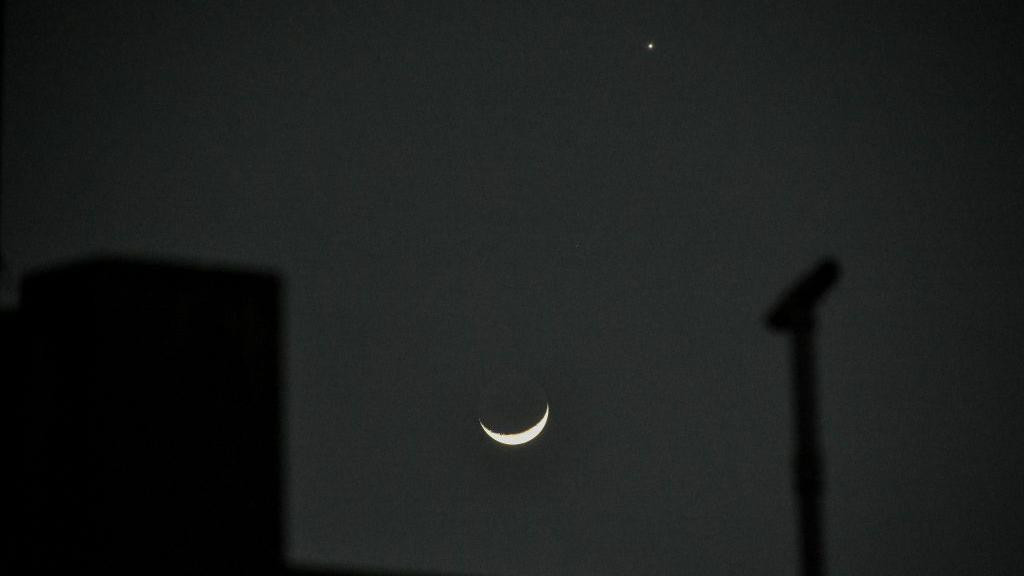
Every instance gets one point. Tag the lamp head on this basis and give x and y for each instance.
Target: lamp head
(795, 310)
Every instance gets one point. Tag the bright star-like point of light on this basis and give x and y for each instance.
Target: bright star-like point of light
(650, 46)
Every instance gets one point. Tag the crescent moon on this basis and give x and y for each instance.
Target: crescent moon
(519, 437)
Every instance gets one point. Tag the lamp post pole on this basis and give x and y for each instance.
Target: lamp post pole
(794, 313)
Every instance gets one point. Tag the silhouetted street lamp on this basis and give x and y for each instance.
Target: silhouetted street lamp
(794, 313)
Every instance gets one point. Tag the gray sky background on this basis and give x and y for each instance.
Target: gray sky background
(455, 191)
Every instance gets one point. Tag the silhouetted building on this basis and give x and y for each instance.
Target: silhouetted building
(152, 419)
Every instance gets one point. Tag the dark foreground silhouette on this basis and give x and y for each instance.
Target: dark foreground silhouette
(147, 421)
(151, 423)
(794, 313)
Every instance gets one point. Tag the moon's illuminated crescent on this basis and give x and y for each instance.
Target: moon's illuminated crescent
(519, 437)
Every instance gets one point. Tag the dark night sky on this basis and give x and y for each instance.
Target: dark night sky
(458, 191)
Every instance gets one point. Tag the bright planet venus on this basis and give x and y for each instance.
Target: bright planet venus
(517, 438)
